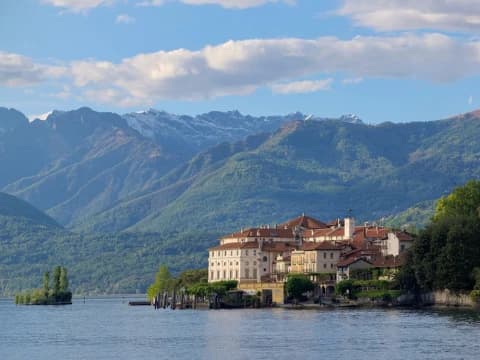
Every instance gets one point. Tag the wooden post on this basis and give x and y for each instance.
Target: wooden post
(174, 300)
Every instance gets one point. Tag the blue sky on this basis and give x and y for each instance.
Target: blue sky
(384, 60)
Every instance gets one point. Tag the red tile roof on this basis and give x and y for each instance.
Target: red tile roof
(262, 233)
(328, 232)
(237, 245)
(304, 221)
(324, 245)
(404, 236)
(388, 262)
(279, 247)
(350, 261)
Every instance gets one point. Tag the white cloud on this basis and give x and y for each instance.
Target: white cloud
(387, 15)
(302, 87)
(78, 5)
(18, 70)
(241, 67)
(470, 100)
(39, 116)
(228, 4)
(124, 19)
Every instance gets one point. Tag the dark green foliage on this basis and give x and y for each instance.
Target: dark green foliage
(373, 289)
(56, 279)
(297, 285)
(447, 253)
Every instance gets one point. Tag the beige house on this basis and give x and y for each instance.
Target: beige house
(320, 258)
(249, 255)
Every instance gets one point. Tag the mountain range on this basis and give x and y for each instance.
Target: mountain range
(151, 187)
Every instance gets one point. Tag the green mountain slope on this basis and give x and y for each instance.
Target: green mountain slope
(32, 243)
(413, 218)
(325, 168)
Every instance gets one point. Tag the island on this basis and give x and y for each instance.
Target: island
(55, 291)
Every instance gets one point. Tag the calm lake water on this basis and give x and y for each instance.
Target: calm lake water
(110, 329)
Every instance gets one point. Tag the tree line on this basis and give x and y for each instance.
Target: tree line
(446, 254)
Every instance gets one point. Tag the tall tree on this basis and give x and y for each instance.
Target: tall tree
(46, 283)
(63, 279)
(56, 280)
(163, 281)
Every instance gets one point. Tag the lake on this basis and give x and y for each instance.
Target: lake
(110, 329)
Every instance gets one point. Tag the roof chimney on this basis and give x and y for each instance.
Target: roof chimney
(349, 227)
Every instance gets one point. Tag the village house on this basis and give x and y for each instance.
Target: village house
(324, 251)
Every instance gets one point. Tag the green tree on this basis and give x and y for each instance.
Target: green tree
(464, 200)
(63, 279)
(297, 285)
(446, 253)
(46, 283)
(56, 280)
(163, 281)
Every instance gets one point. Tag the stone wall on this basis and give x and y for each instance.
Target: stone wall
(447, 298)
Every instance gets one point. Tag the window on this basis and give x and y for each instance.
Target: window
(231, 274)
(213, 264)
(247, 273)
(265, 259)
(231, 252)
(246, 252)
(255, 273)
(331, 255)
(225, 253)
(237, 252)
(254, 252)
(324, 255)
(236, 274)
(224, 274)
(246, 263)
(331, 266)
(218, 274)
(264, 269)
(231, 263)
(211, 275)
(254, 263)
(324, 266)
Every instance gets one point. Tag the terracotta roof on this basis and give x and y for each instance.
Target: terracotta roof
(324, 245)
(388, 262)
(404, 236)
(237, 245)
(274, 232)
(267, 246)
(278, 246)
(304, 221)
(350, 261)
(325, 232)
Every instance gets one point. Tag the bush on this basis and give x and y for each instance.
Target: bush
(475, 296)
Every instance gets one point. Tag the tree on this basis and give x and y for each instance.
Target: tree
(46, 283)
(163, 281)
(446, 253)
(63, 280)
(297, 285)
(464, 200)
(56, 280)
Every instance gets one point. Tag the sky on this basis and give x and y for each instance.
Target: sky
(383, 60)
